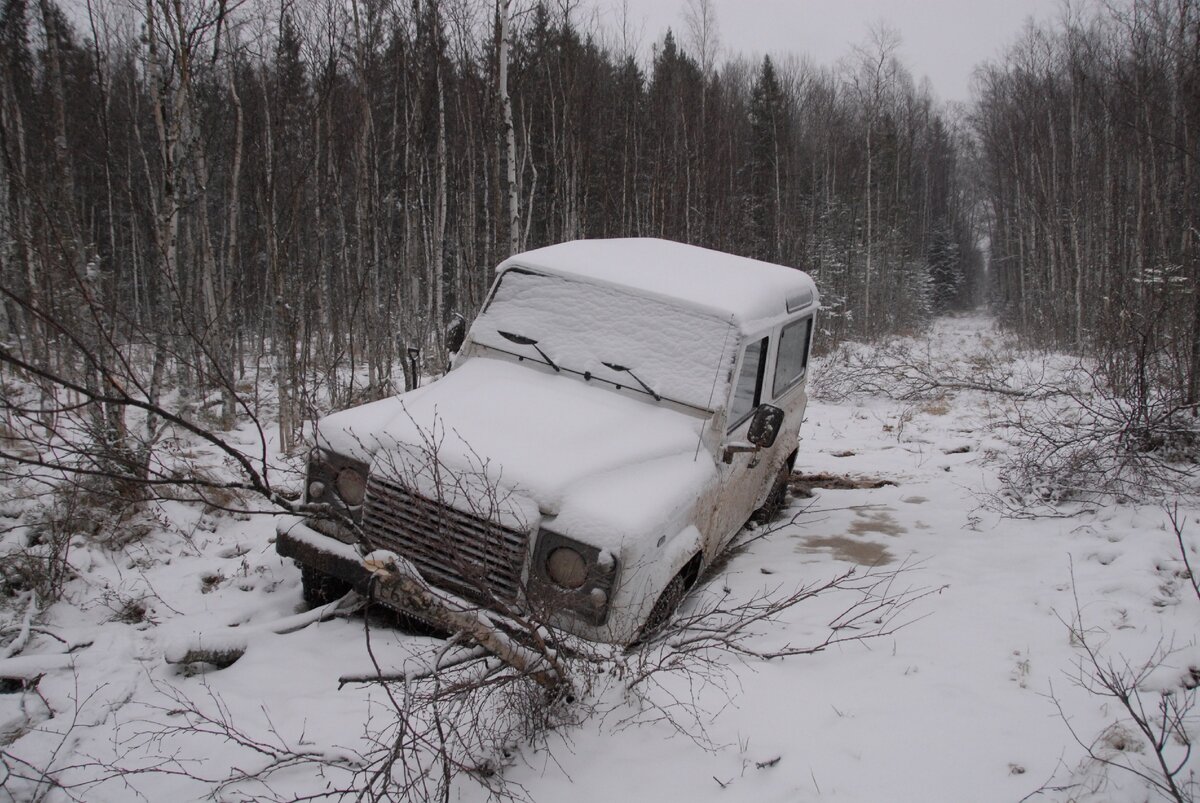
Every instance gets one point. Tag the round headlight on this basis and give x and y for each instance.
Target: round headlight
(351, 486)
(566, 567)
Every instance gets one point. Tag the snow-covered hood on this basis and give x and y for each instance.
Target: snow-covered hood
(607, 466)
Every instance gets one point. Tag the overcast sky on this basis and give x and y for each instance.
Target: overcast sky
(941, 39)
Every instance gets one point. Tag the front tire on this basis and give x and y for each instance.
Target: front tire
(664, 607)
(777, 498)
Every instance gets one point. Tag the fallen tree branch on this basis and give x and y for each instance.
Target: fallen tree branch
(420, 672)
(396, 578)
(727, 626)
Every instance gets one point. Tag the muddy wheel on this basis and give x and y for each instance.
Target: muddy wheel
(319, 589)
(777, 498)
(666, 604)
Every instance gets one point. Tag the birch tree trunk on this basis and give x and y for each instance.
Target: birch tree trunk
(510, 135)
(440, 192)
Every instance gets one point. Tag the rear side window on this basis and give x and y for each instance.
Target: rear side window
(792, 360)
(748, 392)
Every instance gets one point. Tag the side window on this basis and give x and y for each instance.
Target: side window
(748, 392)
(792, 361)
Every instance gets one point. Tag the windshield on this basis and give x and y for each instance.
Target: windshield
(676, 352)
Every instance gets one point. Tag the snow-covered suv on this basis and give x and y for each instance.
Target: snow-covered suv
(615, 414)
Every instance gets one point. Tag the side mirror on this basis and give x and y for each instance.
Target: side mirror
(456, 333)
(765, 426)
(764, 429)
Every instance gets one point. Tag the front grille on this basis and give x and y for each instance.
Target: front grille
(453, 550)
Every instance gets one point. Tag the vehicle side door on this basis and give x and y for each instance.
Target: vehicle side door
(772, 369)
(743, 477)
(789, 379)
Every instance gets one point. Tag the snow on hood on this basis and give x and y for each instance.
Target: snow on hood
(554, 442)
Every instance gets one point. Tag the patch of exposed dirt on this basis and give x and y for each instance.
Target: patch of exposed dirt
(864, 553)
(875, 521)
(937, 407)
(802, 485)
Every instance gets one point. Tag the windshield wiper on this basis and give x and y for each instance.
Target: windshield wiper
(622, 369)
(521, 340)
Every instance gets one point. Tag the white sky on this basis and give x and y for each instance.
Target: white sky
(941, 39)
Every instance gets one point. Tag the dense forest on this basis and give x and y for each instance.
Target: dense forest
(1089, 135)
(195, 189)
(193, 192)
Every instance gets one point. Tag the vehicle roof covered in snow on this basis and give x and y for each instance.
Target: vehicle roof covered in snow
(748, 291)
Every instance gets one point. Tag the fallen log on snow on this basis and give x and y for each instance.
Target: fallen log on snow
(223, 647)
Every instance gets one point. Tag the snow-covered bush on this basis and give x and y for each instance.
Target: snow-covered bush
(1073, 435)
(1080, 439)
(911, 369)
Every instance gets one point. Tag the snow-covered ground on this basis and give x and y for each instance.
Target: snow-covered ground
(969, 701)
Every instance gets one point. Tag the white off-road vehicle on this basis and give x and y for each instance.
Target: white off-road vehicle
(614, 416)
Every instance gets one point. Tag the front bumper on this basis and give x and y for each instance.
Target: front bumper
(295, 539)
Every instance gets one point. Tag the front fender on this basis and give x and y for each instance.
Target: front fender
(647, 574)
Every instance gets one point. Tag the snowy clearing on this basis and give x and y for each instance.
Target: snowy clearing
(960, 704)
